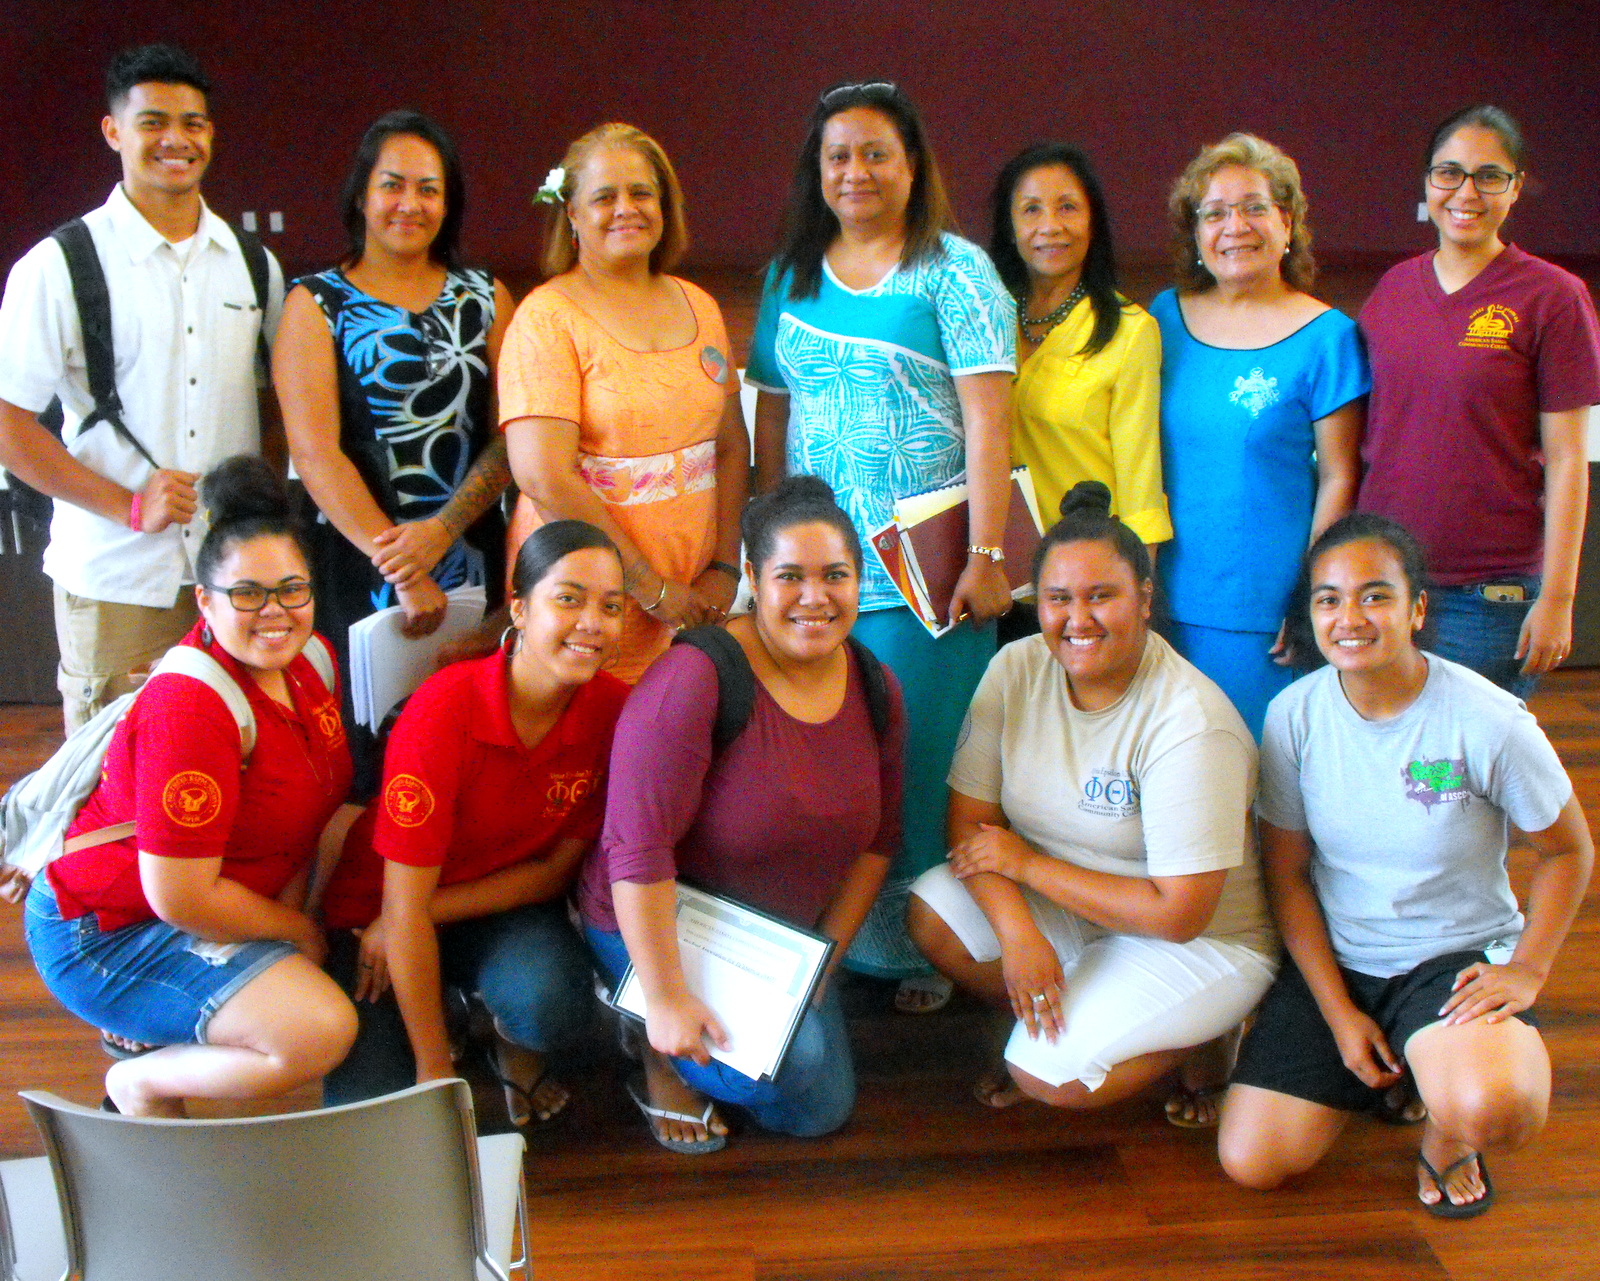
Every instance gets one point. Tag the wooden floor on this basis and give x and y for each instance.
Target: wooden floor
(925, 1183)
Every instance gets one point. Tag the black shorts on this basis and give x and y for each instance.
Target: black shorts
(1291, 1049)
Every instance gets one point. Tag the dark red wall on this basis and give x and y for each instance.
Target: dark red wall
(1348, 88)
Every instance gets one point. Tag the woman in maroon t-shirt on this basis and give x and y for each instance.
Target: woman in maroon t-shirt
(190, 933)
(1485, 361)
(798, 816)
(493, 786)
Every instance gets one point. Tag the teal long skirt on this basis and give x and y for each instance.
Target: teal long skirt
(938, 678)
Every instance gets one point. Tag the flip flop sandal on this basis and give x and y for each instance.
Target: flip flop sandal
(121, 1052)
(1194, 1099)
(1401, 1105)
(1445, 1208)
(997, 1090)
(935, 986)
(638, 1091)
(524, 1097)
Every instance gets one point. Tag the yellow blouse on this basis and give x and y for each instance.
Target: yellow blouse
(1095, 418)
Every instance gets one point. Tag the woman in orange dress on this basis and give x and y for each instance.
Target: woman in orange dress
(617, 395)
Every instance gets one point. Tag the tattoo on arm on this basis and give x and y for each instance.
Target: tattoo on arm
(484, 483)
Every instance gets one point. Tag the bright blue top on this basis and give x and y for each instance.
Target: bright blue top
(871, 373)
(1238, 454)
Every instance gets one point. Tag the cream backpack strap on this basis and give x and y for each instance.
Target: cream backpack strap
(186, 660)
(321, 657)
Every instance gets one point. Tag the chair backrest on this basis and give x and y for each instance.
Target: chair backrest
(31, 1246)
(387, 1187)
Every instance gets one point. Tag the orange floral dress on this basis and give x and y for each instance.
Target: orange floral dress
(647, 435)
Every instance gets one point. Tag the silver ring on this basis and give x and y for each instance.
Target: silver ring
(1039, 998)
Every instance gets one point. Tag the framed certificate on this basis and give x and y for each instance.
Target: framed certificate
(755, 972)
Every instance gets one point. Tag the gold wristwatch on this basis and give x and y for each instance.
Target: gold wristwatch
(996, 554)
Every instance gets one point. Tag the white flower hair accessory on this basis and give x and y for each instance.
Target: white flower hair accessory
(550, 192)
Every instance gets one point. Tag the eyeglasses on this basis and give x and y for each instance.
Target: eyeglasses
(1489, 181)
(252, 598)
(866, 86)
(1217, 214)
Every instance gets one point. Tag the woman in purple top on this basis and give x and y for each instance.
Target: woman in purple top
(1485, 361)
(798, 816)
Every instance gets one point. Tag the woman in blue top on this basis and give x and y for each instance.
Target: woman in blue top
(384, 366)
(1262, 405)
(883, 353)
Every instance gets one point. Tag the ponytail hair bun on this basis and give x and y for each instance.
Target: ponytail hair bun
(243, 487)
(795, 500)
(1086, 517)
(244, 499)
(1089, 497)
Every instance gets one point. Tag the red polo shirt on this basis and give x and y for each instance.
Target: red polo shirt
(462, 793)
(175, 768)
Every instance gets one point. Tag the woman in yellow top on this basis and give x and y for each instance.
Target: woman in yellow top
(617, 396)
(1086, 404)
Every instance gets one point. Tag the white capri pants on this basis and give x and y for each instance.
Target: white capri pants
(1125, 995)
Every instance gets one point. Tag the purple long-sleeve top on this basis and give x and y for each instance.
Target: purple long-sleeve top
(776, 821)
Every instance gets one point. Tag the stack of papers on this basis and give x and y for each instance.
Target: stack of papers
(925, 547)
(386, 665)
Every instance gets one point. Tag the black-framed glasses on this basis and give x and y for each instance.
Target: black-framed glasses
(866, 86)
(1490, 180)
(252, 598)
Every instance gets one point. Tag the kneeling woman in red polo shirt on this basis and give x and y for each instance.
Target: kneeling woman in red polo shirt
(458, 873)
(797, 815)
(189, 933)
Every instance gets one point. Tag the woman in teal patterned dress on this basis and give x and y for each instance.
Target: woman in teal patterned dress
(883, 354)
(385, 369)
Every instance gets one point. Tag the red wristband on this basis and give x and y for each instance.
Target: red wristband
(136, 514)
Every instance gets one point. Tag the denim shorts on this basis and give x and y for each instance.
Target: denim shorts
(148, 981)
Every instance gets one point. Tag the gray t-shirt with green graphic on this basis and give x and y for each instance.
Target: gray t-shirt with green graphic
(1408, 816)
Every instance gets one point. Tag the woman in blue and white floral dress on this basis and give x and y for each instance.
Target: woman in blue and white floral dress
(883, 353)
(384, 366)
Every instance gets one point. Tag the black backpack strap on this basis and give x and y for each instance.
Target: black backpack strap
(876, 685)
(736, 681)
(94, 319)
(255, 261)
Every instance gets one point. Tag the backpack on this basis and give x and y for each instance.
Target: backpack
(36, 812)
(736, 683)
(93, 299)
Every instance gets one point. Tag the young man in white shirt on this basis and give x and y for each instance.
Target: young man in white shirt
(186, 323)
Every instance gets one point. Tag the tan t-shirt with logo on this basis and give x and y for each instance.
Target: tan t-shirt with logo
(1158, 784)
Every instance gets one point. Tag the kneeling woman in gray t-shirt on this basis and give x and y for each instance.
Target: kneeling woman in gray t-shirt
(1387, 779)
(1103, 884)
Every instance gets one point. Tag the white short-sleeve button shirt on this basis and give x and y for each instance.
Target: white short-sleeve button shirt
(184, 322)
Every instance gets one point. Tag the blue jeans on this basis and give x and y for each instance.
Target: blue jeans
(147, 981)
(813, 1093)
(529, 966)
(1482, 634)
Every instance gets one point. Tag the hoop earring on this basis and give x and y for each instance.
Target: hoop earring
(516, 645)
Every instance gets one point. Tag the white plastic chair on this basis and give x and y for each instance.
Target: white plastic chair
(398, 1186)
(31, 1244)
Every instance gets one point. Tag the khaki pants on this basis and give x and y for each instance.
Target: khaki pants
(107, 649)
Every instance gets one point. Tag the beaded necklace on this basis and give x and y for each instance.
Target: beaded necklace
(1051, 319)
